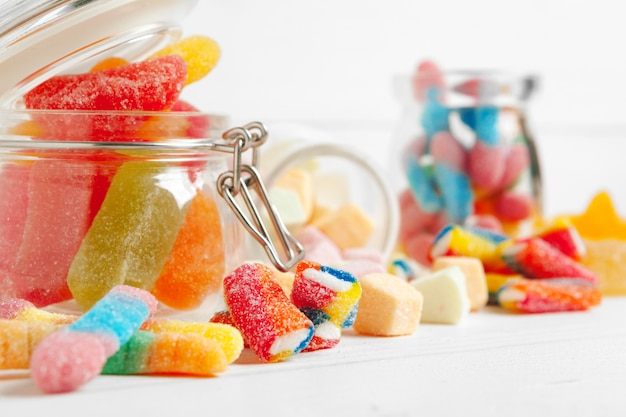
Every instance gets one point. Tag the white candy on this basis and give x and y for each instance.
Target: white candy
(445, 296)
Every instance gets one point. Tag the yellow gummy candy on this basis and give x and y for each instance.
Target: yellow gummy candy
(600, 220)
(199, 52)
(228, 337)
(133, 233)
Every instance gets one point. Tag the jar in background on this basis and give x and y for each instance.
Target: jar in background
(463, 154)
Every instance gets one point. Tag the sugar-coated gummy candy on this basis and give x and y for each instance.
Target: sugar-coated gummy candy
(458, 240)
(427, 77)
(200, 53)
(23, 310)
(329, 297)
(317, 246)
(487, 165)
(18, 339)
(548, 295)
(195, 265)
(274, 328)
(226, 335)
(151, 85)
(74, 355)
(167, 353)
(600, 220)
(607, 258)
(58, 216)
(445, 296)
(536, 258)
(132, 235)
(389, 306)
(565, 237)
(484, 121)
(474, 273)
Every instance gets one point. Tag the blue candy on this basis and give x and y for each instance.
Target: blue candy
(483, 120)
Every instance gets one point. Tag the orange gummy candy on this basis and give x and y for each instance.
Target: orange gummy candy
(108, 63)
(600, 220)
(195, 266)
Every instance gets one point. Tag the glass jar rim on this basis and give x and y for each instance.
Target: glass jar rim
(207, 133)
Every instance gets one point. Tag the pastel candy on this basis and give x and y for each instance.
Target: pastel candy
(73, 356)
(317, 246)
(535, 258)
(474, 274)
(445, 296)
(132, 235)
(293, 196)
(348, 226)
(389, 306)
(274, 328)
(329, 297)
(548, 295)
(195, 266)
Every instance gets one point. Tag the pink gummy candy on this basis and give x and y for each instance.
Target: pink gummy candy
(487, 165)
(517, 161)
(446, 149)
(151, 85)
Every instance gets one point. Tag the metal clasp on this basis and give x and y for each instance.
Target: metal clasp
(244, 183)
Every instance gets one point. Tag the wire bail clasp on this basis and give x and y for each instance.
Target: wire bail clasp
(244, 181)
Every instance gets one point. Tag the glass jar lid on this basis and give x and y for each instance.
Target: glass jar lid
(42, 38)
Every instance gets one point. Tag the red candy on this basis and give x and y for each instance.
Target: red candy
(273, 327)
(535, 258)
(152, 85)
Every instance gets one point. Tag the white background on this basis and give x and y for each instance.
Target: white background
(329, 64)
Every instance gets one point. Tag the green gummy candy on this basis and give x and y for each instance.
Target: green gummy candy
(132, 357)
(133, 233)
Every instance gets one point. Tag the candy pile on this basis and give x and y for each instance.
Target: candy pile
(77, 223)
(469, 164)
(333, 230)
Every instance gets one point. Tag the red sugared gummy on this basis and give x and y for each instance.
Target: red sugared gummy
(517, 161)
(152, 85)
(58, 216)
(487, 165)
(13, 204)
(514, 206)
(446, 149)
(536, 258)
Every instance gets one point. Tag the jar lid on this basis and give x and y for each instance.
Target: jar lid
(42, 38)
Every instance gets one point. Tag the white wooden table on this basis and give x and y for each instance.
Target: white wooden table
(492, 363)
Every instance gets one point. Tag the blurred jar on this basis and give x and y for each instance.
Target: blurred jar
(464, 154)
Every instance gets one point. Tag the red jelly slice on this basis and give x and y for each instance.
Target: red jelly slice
(57, 218)
(152, 85)
(13, 203)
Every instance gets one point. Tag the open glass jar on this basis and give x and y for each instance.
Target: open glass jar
(78, 217)
(92, 197)
(464, 154)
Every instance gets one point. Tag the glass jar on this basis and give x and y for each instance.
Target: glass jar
(464, 154)
(91, 199)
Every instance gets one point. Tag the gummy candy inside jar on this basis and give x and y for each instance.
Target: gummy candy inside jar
(80, 217)
(108, 175)
(464, 154)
